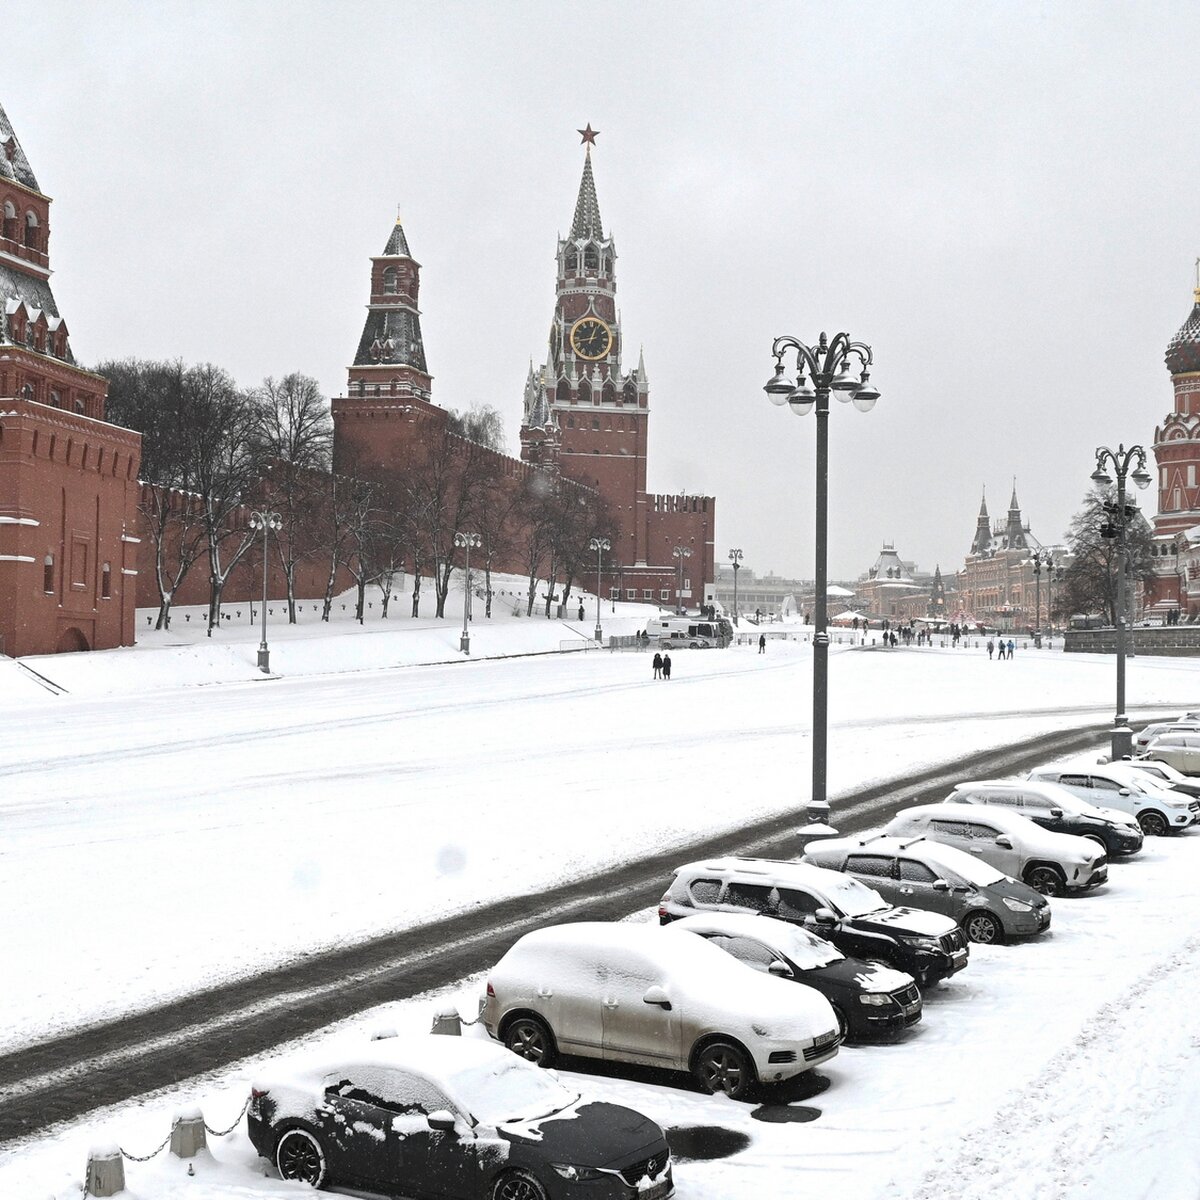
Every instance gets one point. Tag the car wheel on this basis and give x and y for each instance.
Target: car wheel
(843, 1024)
(530, 1037)
(1046, 880)
(724, 1067)
(518, 1185)
(1153, 824)
(299, 1156)
(983, 928)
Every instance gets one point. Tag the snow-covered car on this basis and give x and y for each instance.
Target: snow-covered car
(657, 997)
(857, 920)
(1148, 733)
(988, 905)
(1165, 775)
(867, 998)
(1054, 808)
(461, 1117)
(1180, 750)
(1158, 810)
(1051, 863)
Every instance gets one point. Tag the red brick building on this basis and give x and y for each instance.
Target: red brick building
(588, 418)
(68, 479)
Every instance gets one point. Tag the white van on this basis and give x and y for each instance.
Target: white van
(693, 633)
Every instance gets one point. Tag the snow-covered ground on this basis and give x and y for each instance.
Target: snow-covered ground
(155, 837)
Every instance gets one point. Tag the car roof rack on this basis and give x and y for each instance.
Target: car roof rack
(873, 838)
(912, 842)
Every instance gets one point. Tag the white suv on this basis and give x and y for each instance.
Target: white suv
(1120, 786)
(1051, 863)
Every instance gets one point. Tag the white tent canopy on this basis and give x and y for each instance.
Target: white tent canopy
(835, 590)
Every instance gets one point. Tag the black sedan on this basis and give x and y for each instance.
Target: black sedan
(867, 998)
(454, 1117)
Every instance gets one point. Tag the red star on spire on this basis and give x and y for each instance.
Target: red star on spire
(589, 134)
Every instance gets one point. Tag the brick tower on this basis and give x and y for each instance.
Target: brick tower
(68, 479)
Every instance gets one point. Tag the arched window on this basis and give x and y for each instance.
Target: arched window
(631, 392)
(610, 393)
(585, 392)
(607, 265)
(106, 582)
(79, 407)
(562, 394)
(48, 574)
(10, 220)
(389, 280)
(55, 399)
(31, 229)
(27, 392)
(572, 262)
(591, 260)
(395, 383)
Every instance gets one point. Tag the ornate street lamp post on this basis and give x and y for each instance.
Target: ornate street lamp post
(680, 553)
(464, 541)
(1121, 460)
(735, 557)
(266, 521)
(821, 369)
(1041, 558)
(599, 544)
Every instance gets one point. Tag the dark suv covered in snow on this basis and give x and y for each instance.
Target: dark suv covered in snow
(858, 921)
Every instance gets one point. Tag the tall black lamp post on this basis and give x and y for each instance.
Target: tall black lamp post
(821, 369)
(735, 557)
(599, 544)
(1041, 558)
(1130, 464)
(266, 521)
(465, 541)
(680, 553)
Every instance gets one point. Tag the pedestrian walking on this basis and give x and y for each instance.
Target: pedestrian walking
(666, 666)
(1011, 647)
(991, 648)
(581, 610)
(762, 643)
(657, 664)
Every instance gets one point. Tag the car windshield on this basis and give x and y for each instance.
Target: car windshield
(503, 1092)
(972, 870)
(851, 897)
(805, 949)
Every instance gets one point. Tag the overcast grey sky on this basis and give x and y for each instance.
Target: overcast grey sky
(1001, 198)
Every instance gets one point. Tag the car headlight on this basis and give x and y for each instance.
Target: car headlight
(920, 943)
(875, 999)
(571, 1171)
(1016, 905)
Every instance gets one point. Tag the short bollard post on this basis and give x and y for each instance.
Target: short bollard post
(446, 1020)
(187, 1134)
(105, 1171)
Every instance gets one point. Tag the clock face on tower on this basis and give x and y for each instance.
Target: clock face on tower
(591, 338)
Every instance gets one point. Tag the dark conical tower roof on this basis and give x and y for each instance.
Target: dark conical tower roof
(13, 163)
(587, 222)
(397, 244)
(1183, 350)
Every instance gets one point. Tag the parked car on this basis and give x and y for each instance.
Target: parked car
(659, 997)
(1053, 807)
(988, 905)
(857, 920)
(453, 1117)
(867, 998)
(1117, 785)
(1146, 735)
(1051, 863)
(1180, 750)
(1165, 774)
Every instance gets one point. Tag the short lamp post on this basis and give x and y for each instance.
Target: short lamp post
(1121, 461)
(735, 557)
(600, 545)
(820, 370)
(266, 521)
(680, 553)
(464, 541)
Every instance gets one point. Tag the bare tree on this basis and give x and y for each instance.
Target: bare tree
(296, 437)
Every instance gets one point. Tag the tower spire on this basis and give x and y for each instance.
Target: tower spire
(983, 531)
(587, 222)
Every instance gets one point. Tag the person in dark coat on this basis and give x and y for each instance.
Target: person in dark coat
(762, 643)
(658, 666)
(666, 666)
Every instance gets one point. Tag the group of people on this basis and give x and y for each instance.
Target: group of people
(662, 666)
(1005, 649)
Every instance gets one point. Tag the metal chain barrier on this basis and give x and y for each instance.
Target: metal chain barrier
(236, 1123)
(145, 1158)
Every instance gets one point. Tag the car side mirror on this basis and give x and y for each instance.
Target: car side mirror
(825, 916)
(1056, 813)
(441, 1119)
(1004, 842)
(655, 995)
(940, 885)
(1123, 792)
(780, 968)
